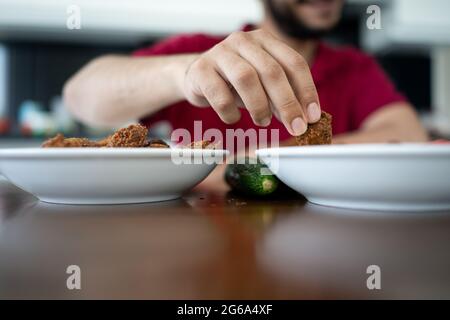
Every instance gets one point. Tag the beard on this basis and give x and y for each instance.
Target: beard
(285, 19)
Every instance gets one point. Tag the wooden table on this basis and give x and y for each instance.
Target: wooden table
(214, 245)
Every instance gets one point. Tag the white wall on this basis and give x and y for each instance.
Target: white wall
(410, 23)
(137, 18)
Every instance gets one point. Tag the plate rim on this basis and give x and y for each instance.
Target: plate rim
(33, 153)
(374, 149)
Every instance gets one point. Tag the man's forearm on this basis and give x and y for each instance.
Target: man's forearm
(397, 122)
(383, 135)
(111, 90)
(394, 123)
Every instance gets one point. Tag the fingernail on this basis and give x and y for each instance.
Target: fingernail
(313, 112)
(298, 126)
(265, 122)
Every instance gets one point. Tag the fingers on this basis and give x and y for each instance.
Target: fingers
(220, 97)
(209, 88)
(245, 81)
(259, 72)
(276, 84)
(298, 73)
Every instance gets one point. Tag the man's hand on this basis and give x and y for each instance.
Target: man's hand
(257, 71)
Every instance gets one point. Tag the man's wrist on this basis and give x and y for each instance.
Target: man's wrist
(177, 70)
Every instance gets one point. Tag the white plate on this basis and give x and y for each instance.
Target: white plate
(107, 176)
(376, 176)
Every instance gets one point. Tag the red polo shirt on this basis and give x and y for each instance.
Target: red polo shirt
(351, 86)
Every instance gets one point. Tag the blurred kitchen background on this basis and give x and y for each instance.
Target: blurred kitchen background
(38, 52)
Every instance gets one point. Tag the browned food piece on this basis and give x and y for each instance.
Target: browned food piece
(157, 143)
(59, 141)
(103, 143)
(133, 136)
(203, 144)
(317, 133)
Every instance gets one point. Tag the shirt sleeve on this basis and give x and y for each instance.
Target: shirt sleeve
(373, 91)
(179, 44)
(172, 45)
(185, 43)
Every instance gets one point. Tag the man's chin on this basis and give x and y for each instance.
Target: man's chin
(293, 26)
(319, 29)
(305, 33)
(317, 4)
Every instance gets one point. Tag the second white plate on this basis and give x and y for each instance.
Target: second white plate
(374, 176)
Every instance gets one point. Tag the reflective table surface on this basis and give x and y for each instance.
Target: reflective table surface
(212, 244)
